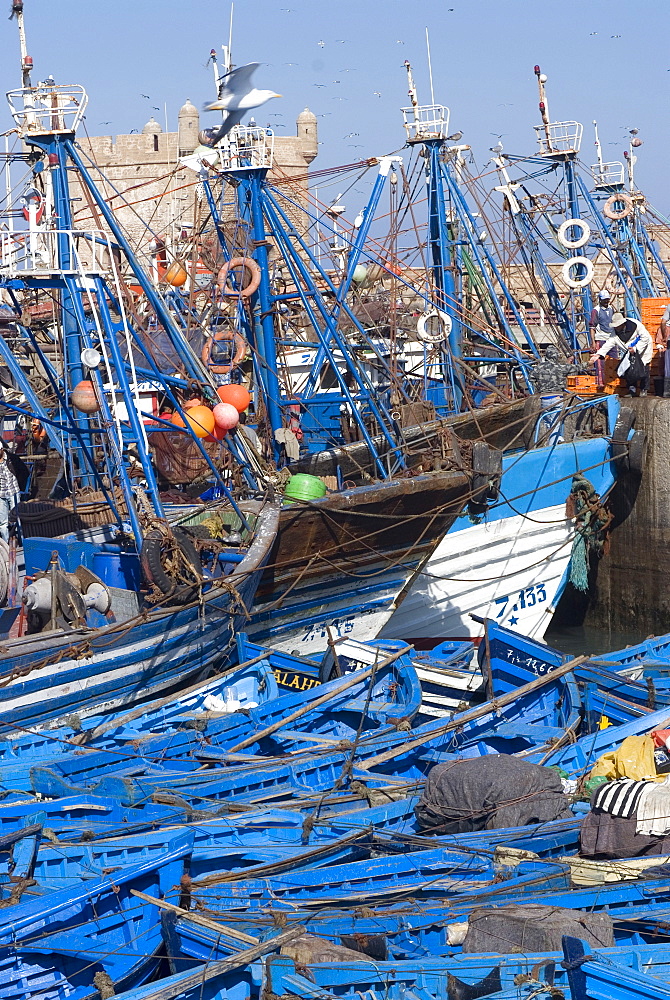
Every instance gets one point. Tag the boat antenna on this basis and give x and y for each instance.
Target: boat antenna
(543, 105)
(430, 69)
(411, 86)
(599, 149)
(228, 49)
(26, 60)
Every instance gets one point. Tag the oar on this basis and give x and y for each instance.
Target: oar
(473, 713)
(360, 675)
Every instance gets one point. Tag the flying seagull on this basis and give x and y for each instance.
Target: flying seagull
(236, 97)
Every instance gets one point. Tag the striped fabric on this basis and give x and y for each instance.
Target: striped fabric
(619, 798)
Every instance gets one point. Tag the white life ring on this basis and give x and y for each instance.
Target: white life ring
(582, 239)
(608, 208)
(422, 331)
(577, 282)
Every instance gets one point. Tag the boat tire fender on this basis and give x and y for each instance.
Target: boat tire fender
(219, 337)
(425, 335)
(582, 239)
(610, 212)
(151, 560)
(637, 452)
(577, 282)
(622, 428)
(253, 271)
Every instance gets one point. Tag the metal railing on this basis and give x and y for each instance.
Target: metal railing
(608, 174)
(247, 148)
(43, 252)
(428, 121)
(559, 138)
(47, 109)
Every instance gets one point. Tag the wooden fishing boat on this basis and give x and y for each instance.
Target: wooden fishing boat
(74, 941)
(644, 966)
(50, 673)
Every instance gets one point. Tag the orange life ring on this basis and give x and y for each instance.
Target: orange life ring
(253, 270)
(611, 213)
(221, 335)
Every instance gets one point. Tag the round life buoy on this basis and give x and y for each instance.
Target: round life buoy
(222, 336)
(252, 269)
(611, 213)
(577, 282)
(425, 335)
(582, 239)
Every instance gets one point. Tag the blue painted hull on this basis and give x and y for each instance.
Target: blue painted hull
(50, 674)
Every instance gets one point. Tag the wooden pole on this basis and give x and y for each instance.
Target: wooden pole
(196, 918)
(360, 675)
(474, 713)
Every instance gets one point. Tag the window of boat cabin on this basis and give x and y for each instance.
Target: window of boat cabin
(328, 378)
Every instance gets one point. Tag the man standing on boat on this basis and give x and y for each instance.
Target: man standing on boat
(600, 327)
(631, 337)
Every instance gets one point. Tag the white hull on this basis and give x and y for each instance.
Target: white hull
(510, 570)
(312, 639)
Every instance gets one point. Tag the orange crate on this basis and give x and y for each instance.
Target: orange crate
(651, 311)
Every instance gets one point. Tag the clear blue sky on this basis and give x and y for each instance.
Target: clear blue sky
(605, 59)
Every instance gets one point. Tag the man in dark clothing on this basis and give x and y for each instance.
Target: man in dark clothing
(551, 374)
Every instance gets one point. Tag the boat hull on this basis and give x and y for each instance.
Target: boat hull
(511, 567)
(340, 565)
(46, 675)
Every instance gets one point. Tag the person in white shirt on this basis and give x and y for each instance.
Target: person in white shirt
(629, 335)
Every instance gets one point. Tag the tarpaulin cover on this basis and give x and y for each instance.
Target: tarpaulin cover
(633, 759)
(488, 793)
(513, 928)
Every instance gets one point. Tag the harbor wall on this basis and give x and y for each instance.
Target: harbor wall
(632, 585)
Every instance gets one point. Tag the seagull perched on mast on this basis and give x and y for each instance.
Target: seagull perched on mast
(236, 97)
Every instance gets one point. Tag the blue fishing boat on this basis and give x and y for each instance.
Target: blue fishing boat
(75, 941)
(639, 966)
(140, 601)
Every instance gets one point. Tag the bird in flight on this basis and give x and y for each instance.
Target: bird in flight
(236, 97)
(321, 43)
(145, 95)
(105, 123)
(377, 93)
(319, 85)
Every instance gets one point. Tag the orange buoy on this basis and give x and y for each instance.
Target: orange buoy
(217, 434)
(236, 395)
(83, 397)
(200, 420)
(176, 274)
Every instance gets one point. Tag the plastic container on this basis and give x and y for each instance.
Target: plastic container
(304, 487)
(118, 569)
